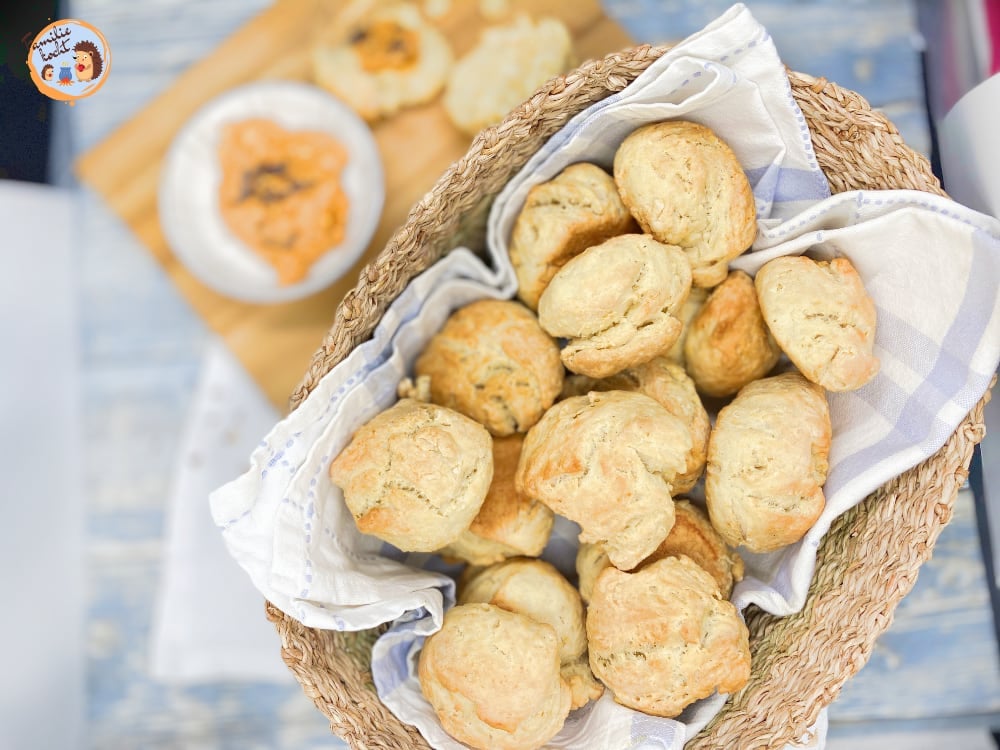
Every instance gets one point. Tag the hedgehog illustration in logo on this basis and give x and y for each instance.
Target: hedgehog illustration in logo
(88, 61)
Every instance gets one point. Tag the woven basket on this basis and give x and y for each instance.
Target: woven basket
(866, 563)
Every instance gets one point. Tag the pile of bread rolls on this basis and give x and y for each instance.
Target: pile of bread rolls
(584, 398)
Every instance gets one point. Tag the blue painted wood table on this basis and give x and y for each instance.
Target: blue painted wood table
(936, 668)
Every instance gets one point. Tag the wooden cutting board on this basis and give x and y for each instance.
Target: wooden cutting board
(275, 342)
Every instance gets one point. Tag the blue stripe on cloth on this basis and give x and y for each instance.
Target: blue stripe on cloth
(651, 732)
(391, 671)
(915, 416)
(776, 184)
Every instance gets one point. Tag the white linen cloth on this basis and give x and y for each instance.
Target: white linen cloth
(208, 623)
(931, 266)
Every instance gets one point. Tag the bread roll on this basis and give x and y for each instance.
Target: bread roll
(492, 361)
(728, 344)
(663, 637)
(416, 475)
(822, 317)
(509, 523)
(606, 461)
(577, 209)
(767, 462)
(492, 677)
(685, 187)
(616, 303)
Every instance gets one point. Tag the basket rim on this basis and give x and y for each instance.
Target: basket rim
(809, 670)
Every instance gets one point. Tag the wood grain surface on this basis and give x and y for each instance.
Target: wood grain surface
(275, 342)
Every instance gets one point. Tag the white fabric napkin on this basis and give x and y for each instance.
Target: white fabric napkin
(930, 265)
(209, 620)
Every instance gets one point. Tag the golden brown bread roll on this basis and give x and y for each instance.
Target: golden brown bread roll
(492, 677)
(728, 343)
(492, 361)
(685, 187)
(415, 475)
(509, 523)
(616, 303)
(822, 318)
(667, 384)
(536, 589)
(692, 535)
(577, 209)
(767, 462)
(663, 637)
(606, 461)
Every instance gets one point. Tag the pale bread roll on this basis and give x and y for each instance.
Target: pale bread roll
(692, 535)
(536, 589)
(767, 462)
(685, 187)
(728, 344)
(415, 475)
(822, 318)
(493, 362)
(492, 677)
(394, 59)
(616, 303)
(505, 67)
(561, 218)
(670, 386)
(606, 461)
(663, 637)
(509, 523)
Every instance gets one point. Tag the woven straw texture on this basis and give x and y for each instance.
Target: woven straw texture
(866, 563)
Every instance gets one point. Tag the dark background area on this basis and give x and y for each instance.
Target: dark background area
(25, 112)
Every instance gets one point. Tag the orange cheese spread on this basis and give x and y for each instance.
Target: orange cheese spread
(281, 193)
(385, 45)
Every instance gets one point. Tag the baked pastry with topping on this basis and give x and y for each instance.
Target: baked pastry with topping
(391, 60)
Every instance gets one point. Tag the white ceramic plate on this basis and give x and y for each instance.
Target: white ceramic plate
(189, 190)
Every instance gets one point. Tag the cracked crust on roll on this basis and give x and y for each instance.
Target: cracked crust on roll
(670, 386)
(536, 589)
(577, 209)
(692, 535)
(685, 187)
(663, 637)
(822, 318)
(767, 462)
(493, 678)
(415, 475)
(509, 523)
(606, 461)
(493, 362)
(616, 303)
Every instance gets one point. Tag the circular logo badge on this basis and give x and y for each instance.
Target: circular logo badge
(69, 60)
